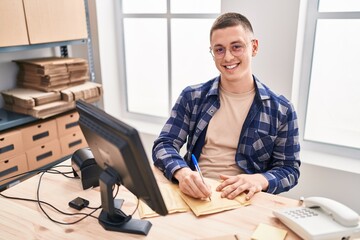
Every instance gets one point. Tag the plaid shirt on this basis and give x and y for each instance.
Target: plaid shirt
(269, 139)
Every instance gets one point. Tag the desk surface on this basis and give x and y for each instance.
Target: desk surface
(24, 220)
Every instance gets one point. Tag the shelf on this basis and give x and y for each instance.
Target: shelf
(11, 119)
(42, 45)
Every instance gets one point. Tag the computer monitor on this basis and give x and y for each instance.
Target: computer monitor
(118, 150)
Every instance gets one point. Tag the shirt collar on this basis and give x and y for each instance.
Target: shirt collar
(214, 89)
(261, 89)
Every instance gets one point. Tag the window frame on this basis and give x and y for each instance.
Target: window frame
(124, 111)
(312, 15)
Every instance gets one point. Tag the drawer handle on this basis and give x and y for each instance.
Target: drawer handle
(72, 144)
(7, 148)
(44, 155)
(40, 135)
(8, 171)
(70, 125)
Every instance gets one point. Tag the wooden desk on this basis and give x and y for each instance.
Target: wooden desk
(24, 220)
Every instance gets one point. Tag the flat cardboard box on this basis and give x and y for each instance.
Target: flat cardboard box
(43, 111)
(11, 144)
(12, 166)
(44, 80)
(49, 88)
(54, 20)
(68, 124)
(52, 73)
(39, 133)
(31, 67)
(44, 154)
(29, 98)
(84, 91)
(72, 142)
(92, 100)
(13, 30)
(51, 65)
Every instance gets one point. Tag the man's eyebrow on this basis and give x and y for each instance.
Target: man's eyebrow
(218, 45)
(233, 42)
(238, 41)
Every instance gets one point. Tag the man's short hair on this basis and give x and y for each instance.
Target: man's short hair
(231, 19)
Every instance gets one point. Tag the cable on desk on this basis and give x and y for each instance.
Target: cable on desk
(40, 202)
(71, 214)
(43, 202)
(53, 171)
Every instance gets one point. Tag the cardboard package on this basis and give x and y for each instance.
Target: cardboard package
(52, 65)
(11, 144)
(50, 86)
(43, 111)
(72, 142)
(88, 91)
(40, 133)
(42, 155)
(29, 98)
(52, 73)
(12, 166)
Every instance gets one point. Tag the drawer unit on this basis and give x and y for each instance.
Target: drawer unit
(68, 124)
(11, 144)
(72, 142)
(11, 167)
(37, 134)
(44, 154)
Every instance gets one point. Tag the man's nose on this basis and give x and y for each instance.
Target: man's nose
(228, 54)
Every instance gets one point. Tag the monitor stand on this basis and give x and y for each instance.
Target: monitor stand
(111, 218)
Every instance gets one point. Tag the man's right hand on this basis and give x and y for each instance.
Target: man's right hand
(191, 183)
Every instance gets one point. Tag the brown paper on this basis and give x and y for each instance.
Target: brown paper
(176, 201)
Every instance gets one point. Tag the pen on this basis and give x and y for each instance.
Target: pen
(198, 169)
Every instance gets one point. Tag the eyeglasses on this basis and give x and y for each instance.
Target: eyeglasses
(236, 50)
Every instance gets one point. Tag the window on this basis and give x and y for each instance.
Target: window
(331, 77)
(165, 47)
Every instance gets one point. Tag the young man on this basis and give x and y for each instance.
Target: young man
(241, 132)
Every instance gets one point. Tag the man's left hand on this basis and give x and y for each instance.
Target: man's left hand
(232, 186)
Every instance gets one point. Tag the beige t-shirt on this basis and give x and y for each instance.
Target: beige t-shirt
(223, 133)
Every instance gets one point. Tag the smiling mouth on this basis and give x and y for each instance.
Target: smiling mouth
(231, 66)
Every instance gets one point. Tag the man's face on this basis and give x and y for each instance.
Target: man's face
(233, 48)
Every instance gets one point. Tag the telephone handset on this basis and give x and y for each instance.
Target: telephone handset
(321, 218)
(338, 211)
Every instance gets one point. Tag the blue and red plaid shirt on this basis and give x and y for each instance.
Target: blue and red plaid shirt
(269, 139)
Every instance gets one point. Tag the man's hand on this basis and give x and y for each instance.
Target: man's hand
(191, 184)
(232, 186)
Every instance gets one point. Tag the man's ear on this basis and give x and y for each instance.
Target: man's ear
(255, 47)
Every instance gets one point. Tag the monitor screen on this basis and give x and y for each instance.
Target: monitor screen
(118, 150)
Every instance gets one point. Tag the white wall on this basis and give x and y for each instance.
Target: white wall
(107, 36)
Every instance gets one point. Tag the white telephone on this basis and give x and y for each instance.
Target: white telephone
(321, 218)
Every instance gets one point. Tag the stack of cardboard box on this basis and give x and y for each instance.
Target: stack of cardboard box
(55, 73)
(50, 86)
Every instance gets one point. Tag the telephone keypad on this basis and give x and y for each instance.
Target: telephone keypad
(302, 213)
